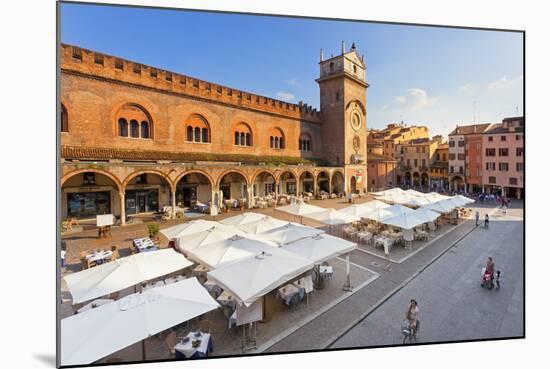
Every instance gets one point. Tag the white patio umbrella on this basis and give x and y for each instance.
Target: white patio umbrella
(333, 217)
(217, 254)
(123, 273)
(418, 201)
(395, 190)
(320, 248)
(290, 232)
(436, 196)
(412, 192)
(241, 219)
(360, 209)
(300, 209)
(96, 333)
(262, 225)
(380, 214)
(464, 199)
(216, 233)
(411, 219)
(396, 198)
(188, 228)
(440, 206)
(252, 277)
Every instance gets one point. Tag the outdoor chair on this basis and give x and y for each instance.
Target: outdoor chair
(171, 341)
(204, 326)
(114, 250)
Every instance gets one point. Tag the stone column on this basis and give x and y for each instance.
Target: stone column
(315, 189)
(276, 189)
(249, 196)
(173, 194)
(122, 196)
(330, 184)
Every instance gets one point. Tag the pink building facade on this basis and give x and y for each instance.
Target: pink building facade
(503, 158)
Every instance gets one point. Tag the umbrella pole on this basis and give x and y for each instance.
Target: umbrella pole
(143, 349)
(347, 285)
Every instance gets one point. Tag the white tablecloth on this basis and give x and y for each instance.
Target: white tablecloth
(305, 282)
(102, 255)
(285, 293)
(187, 348)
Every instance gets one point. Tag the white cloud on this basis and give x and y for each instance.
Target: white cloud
(286, 96)
(504, 83)
(400, 99)
(419, 99)
(466, 87)
(293, 82)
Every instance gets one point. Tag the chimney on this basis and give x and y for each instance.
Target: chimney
(343, 47)
(321, 54)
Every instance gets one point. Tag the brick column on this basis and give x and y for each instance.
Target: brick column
(122, 196)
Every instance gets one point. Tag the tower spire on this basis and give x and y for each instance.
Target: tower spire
(343, 47)
(321, 56)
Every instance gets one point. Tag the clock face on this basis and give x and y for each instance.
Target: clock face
(355, 121)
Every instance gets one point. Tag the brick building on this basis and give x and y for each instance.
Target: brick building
(503, 158)
(381, 168)
(135, 138)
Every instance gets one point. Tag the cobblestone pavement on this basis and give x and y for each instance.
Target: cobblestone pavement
(453, 306)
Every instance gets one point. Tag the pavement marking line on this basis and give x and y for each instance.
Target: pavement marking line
(319, 312)
(358, 266)
(363, 316)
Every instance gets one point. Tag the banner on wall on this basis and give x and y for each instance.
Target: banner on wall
(359, 176)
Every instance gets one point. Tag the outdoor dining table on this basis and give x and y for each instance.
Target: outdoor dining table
(145, 244)
(286, 293)
(175, 279)
(185, 350)
(364, 236)
(153, 285)
(227, 300)
(422, 235)
(94, 304)
(325, 271)
(351, 232)
(383, 241)
(100, 256)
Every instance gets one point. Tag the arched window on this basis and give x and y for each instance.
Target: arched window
(140, 125)
(122, 127)
(144, 129)
(243, 135)
(355, 69)
(331, 66)
(277, 140)
(197, 134)
(197, 130)
(64, 119)
(134, 128)
(305, 142)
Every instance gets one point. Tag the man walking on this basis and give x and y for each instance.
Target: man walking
(477, 218)
(487, 221)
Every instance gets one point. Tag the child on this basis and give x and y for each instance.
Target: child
(497, 279)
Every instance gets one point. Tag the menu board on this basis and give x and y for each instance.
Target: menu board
(105, 220)
(250, 314)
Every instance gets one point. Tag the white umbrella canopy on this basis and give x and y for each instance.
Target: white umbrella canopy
(262, 225)
(242, 219)
(217, 254)
(96, 333)
(391, 211)
(464, 199)
(217, 233)
(440, 206)
(396, 198)
(411, 219)
(395, 190)
(290, 232)
(418, 201)
(188, 228)
(300, 209)
(123, 273)
(252, 277)
(412, 192)
(436, 196)
(333, 217)
(360, 209)
(320, 248)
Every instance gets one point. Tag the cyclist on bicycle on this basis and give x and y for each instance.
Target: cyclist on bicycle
(412, 316)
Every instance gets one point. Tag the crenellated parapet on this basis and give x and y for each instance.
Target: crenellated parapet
(90, 63)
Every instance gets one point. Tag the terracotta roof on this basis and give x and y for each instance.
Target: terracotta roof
(374, 157)
(99, 153)
(443, 146)
(373, 142)
(500, 129)
(469, 129)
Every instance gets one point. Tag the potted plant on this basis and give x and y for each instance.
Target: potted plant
(153, 231)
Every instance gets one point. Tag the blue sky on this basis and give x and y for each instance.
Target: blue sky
(421, 75)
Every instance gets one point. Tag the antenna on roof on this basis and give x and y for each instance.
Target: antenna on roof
(474, 112)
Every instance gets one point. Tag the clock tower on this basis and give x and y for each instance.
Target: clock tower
(343, 91)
